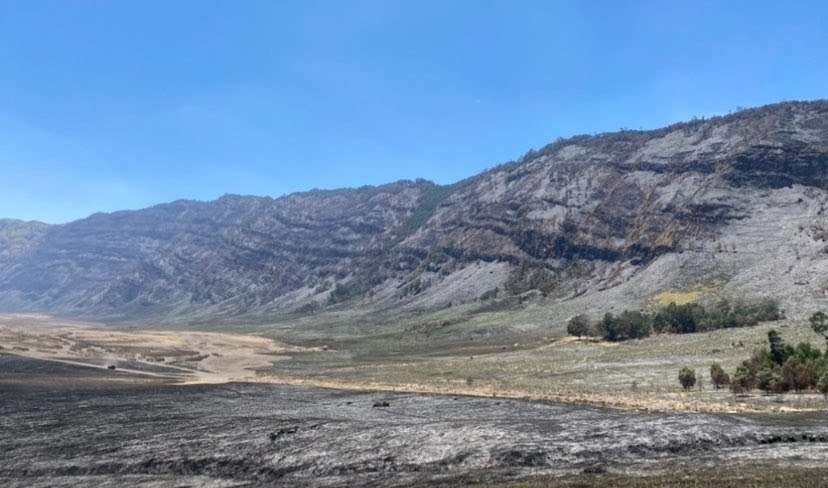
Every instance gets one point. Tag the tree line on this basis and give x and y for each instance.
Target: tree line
(677, 319)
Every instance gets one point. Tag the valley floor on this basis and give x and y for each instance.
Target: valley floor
(639, 374)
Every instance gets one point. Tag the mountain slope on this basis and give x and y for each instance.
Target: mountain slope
(733, 205)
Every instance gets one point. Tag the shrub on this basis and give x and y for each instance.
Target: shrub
(718, 376)
(637, 324)
(719, 316)
(777, 347)
(770, 380)
(680, 319)
(628, 325)
(607, 327)
(806, 353)
(687, 378)
(797, 375)
(744, 380)
(768, 310)
(579, 326)
(819, 323)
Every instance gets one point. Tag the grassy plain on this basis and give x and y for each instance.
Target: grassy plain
(639, 374)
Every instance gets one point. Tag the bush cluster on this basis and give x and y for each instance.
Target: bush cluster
(678, 319)
(780, 368)
(687, 378)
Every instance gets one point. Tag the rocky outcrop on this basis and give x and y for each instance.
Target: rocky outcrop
(18, 238)
(734, 202)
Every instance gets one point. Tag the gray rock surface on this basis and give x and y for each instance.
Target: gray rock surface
(734, 203)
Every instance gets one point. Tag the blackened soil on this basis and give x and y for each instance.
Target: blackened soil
(67, 432)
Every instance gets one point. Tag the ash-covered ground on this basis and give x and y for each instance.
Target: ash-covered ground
(62, 425)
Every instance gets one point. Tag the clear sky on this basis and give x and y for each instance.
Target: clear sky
(120, 104)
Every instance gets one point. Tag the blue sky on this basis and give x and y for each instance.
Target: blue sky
(108, 105)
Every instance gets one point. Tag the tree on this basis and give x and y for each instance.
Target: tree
(807, 353)
(797, 375)
(637, 324)
(777, 347)
(737, 388)
(744, 379)
(687, 378)
(718, 376)
(629, 324)
(767, 309)
(680, 319)
(579, 326)
(609, 327)
(819, 323)
(770, 380)
(720, 316)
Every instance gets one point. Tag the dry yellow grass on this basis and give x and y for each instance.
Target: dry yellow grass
(638, 374)
(680, 297)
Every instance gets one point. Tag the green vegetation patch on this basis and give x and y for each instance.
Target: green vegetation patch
(675, 318)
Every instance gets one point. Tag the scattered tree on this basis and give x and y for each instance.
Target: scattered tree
(627, 325)
(687, 378)
(744, 380)
(718, 376)
(777, 347)
(770, 380)
(797, 375)
(579, 326)
(819, 323)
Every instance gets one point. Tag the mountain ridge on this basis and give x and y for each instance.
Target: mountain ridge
(587, 217)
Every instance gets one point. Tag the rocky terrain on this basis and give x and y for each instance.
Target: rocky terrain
(69, 426)
(734, 205)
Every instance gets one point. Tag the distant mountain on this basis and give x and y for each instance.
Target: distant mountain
(17, 237)
(728, 206)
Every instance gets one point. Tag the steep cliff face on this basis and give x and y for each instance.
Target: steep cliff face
(734, 204)
(632, 194)
(588, 214)
(226, 257)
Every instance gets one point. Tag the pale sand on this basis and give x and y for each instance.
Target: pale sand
(185, 356)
